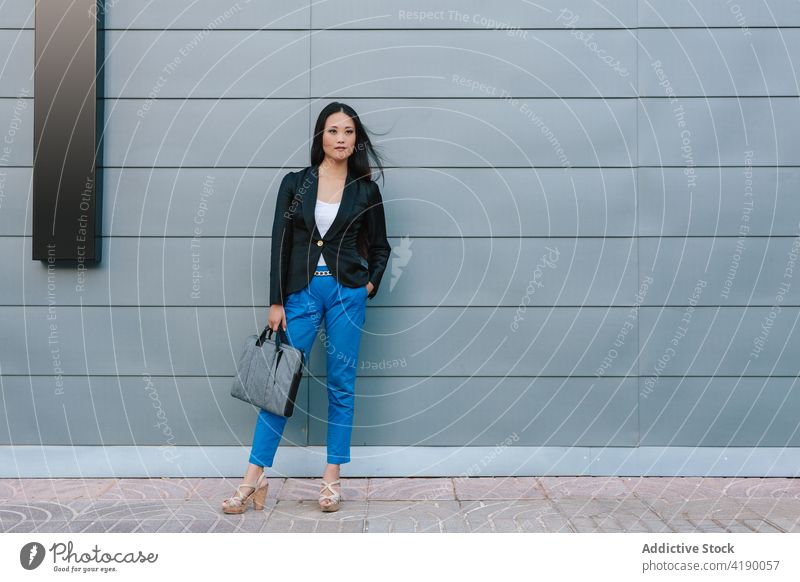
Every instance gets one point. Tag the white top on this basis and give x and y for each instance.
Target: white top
(324, 213)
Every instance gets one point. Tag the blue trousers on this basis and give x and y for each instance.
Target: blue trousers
(343, 309)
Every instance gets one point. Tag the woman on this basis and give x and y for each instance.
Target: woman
(329, 253)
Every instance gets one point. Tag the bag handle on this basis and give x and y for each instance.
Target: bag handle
(264, 335)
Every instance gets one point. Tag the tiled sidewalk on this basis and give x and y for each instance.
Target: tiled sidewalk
(502, 504)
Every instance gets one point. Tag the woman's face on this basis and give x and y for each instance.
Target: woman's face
(339, 136)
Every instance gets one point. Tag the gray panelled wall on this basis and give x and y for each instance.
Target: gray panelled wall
(593, 212)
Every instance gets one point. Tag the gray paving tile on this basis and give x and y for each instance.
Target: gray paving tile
(39, 511)
(707, 526)
(226, 523)
(160, 488)
(308, 489)
(681, 525)
(415, 516)
(487, 488)
(412, 489)
(476, 504)
(677, 488)
(136, 509)
(284, 515)
(173, 526)
(506, 516)
(305, 516)
(499, 525)
(54, 490)
(749, 487)
(8, 489)
(250, 526)
(10, 518)
(416, 525)
(201, 526)
(646, 526)
(715, 525)
(206, 510)
(224, 526)
(738, 525)
(522, 525)
(215, 490)
(781, 524)
(124, 526)
(150, 525)
(764, 526)
(712, 486)
(595, 487)
(89, 526)
(52, 526)
(298, 489)
(289, 509)
(343, 526)
(614, 525)
(787, 508)
(289, 526)
(723, 508)
(34, 526)
(764, 487)
(624, 510)
(22, 526)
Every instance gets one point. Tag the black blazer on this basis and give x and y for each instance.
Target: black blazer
(296, 243)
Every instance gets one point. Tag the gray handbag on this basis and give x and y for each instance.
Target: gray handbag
(268, 373)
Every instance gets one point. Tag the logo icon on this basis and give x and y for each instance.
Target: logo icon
(31, 555)
(401, 255)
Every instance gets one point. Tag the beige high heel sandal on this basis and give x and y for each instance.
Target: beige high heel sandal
(238, 503)
(334, 498)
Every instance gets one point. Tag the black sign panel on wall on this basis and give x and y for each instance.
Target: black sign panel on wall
(68, 124)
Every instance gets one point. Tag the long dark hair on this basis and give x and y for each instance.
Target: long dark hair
(358, 163)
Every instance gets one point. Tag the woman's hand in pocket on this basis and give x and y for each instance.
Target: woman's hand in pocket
(370, 287)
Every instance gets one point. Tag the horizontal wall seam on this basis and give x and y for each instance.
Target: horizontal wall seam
(446, 29)
(521, 376)
(423, 306)
(434, 98)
